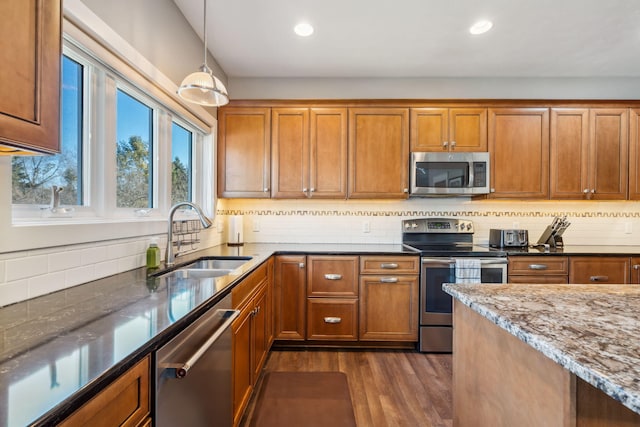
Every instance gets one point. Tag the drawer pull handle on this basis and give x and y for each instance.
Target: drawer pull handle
(389, 280)
(332, 320)
(538, 266)
(389, 265)
(333, 276)
(599, 278)
(636, 266)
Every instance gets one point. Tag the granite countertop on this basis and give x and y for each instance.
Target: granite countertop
(57, 350)
(591, 330)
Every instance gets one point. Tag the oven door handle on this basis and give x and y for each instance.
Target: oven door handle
(491, 261)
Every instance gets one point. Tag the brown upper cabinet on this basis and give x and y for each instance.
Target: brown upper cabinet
(30, 76)
(589, 152)
(448, 129)
(378, 153)
(634, 154)
(309, 152)
(519, 150)
(244, 152)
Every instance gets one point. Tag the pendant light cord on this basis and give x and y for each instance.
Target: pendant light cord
(205, 35)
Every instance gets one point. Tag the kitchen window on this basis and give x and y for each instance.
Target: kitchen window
(181, 164)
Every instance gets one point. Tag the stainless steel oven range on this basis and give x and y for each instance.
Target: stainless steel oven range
(447, 255)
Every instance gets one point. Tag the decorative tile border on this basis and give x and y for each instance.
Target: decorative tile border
(424, 213)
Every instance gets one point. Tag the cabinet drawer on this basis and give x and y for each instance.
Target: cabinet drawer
(332, 276)
(241, 292)
(125, 402)
(332, 319)
(389, 265)
(541, 265)
(594, 270)
(540, 279)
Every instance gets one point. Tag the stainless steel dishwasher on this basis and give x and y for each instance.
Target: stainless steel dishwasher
(193, 372)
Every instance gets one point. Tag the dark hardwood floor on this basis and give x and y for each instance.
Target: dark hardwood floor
(388, 387)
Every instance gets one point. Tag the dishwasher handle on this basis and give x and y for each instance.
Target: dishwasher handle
(182, 369)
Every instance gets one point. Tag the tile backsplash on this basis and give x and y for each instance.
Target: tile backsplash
(27, 274)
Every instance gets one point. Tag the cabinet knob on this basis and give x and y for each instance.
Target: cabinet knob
(266, 190)
(304, 190)
(301, 265)
(453, 145)
(593, 191)
(445, 144)
(585, 191)
(313, 190)
(636, 266)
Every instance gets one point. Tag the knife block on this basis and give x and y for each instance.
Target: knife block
(548, 238)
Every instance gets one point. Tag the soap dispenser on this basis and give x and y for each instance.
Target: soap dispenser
(153, 254)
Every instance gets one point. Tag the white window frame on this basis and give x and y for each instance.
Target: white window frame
(119, 66)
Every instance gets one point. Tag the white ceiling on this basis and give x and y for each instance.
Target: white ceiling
(422, 38)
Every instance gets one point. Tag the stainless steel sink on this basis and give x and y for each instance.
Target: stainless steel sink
(228, 263)
(198, 273)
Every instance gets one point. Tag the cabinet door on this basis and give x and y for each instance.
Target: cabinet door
(635, 270)
(468, 129)
(378, 153)
(519, 149)
(290, 152)
(569, 153)
(269, 304)
(429, 129)
(244, 152)
(328, 166)
(259, 330)
(594, 270)
(389, 308)
(242, 362)
(608, 159)
(290, 297)
(634, 155)
(30, 75)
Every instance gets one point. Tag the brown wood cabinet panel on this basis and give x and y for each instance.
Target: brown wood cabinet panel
(289, 297)
(519, 150)
(569, 159)
(332, 319)
(533, 265)
(242, 369)
(260, 333)
(328, 166)
(125, 402)
(378, 153)
(635, 270)
(329, 275)
(244, 152)
(388, 308)
(540, 279)
(608, 156)
(389, 264)
(594, 270)
(290, 152)
(448, 129)
(634, 154)
(30, 75)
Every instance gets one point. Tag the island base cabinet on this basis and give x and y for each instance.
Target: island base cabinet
(499, 380)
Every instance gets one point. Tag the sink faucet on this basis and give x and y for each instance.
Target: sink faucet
(206, 223)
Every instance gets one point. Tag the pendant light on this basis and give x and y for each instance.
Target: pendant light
(202, 87)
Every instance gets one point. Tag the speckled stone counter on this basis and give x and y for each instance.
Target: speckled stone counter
(58, 350)
(591, 330)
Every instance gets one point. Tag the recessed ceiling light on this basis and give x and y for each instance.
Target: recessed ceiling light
(481, 27)
(303, 29)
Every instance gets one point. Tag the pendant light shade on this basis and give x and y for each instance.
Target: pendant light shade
(202, 87)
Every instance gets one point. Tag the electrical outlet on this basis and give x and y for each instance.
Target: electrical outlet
(366, 227)
(256, 225)
(627, 228)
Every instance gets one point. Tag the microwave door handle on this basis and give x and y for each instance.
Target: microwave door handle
(471, 180)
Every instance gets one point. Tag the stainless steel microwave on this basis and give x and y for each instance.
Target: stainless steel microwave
(449, 174)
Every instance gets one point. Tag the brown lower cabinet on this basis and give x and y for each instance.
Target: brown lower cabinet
(252, 335)
(594, 269)
(124, 402)
(538, 269)
(289, 297)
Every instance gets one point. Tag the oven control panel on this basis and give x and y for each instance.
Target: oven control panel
(437, 225)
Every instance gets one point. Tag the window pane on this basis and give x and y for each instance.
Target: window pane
(134, 153)
(34, 176)
(181, 141)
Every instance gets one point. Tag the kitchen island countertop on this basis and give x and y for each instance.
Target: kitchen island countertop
(593, 331)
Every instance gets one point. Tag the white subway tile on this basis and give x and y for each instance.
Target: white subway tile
(107, 268)
(77, 276)
(47, 283)
(116, 251)
(130, 262)
(64, 260)
(93, 255)
(22, 268)
(12, 292)
(2, 272)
